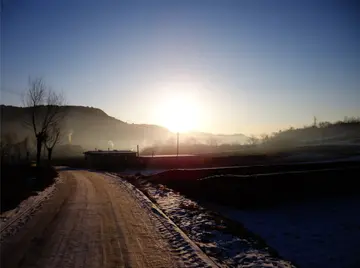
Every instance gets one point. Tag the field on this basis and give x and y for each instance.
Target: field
(314, 233)
(252, 180)
(252, 156)
(305, 213)
(262, 185)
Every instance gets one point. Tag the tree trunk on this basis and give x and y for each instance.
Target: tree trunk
(38, 150)
(49, 153)
(44, 151)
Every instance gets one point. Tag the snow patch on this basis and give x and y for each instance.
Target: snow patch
(185, 249)
(211, 235)
(11, 221)
(145, 172)
(324, 233)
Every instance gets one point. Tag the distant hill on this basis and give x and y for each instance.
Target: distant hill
(92, 128)
(346, 132)
(86, 126)
(342, 134)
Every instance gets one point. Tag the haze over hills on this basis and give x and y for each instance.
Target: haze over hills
(92, 128)
(211, 138)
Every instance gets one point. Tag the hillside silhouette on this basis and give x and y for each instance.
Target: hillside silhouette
(341, 134)
(92, 128)
(85, 126)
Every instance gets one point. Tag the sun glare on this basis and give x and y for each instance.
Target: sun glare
(178, 113)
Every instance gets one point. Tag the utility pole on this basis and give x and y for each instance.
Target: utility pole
(177, 147)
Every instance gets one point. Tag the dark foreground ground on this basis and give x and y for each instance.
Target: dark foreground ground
(19, 181)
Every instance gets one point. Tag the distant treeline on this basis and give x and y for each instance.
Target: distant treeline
(345, 132)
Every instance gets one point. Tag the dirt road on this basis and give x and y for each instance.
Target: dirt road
(91, 222)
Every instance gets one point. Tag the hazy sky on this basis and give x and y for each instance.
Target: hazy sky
(234, 66)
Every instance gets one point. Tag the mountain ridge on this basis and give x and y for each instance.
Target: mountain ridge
(93, 128)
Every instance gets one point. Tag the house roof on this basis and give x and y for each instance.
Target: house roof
(110, 152)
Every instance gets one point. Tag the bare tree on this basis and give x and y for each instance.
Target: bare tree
(52, 137)
(315, 122)
(253, 140)
(324, 124)
(212, 141)
(47, 110)
(264, 138)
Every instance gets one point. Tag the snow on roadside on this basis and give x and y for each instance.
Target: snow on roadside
(323, 233)
(11, 221)
(211, 234)
(182, 247)
(145, 172)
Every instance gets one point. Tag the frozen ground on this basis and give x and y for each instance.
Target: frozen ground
(213, 235)
(145, 172)
(311, 234)
(183, 247)
(12, 220)
(95, 220)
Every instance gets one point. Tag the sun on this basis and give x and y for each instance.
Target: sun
(178, 112)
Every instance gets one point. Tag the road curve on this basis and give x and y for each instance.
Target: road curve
(94, 224)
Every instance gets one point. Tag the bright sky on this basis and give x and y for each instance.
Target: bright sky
(215, 66)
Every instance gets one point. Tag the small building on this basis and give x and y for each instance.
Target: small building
(110, 160)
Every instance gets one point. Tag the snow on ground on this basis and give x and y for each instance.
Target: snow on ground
(182, 247)
(145, 172)
(212, 234)
(322, 233)
(11, 221)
